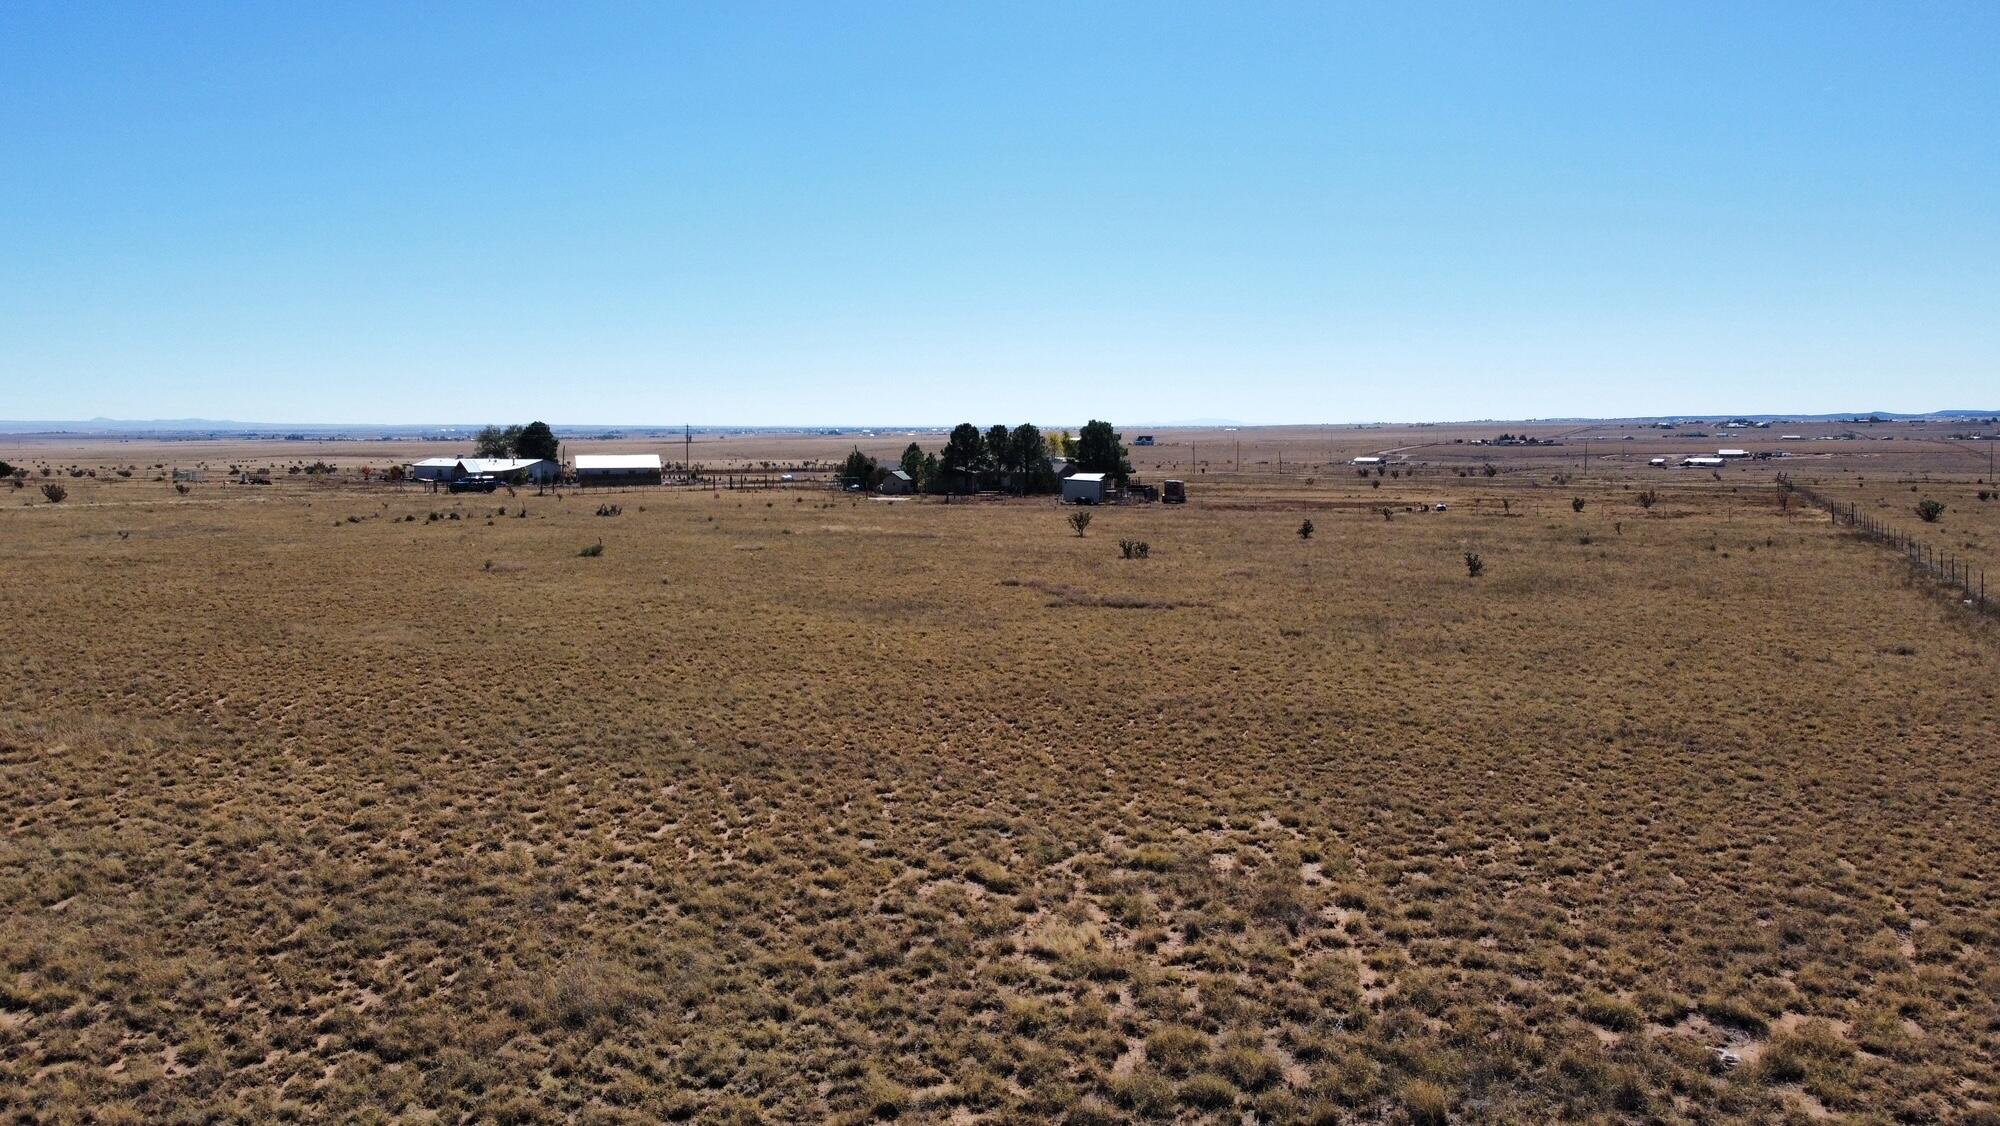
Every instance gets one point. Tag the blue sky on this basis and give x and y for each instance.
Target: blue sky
(834, 213)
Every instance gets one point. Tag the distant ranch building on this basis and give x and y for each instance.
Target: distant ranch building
(1366, 461)
(434, 469)
(618, 469)
(1083, 488)
(538, 470)
(897, 483)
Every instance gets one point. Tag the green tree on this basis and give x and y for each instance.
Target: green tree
(1099, 451)
(963, 452)
(536, 441)
(912, 463)
(1000, 448)
(491, 441)
(860, 469)
(1029, 453)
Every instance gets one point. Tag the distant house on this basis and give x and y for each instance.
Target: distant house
(1732, 453)
(1062, 466)
(618, 469)
(1366, 461)
(539, 470)
(190, 475)
(1083, 488)
(1702, 462)
(434, 469)
(1143, 440)
(1657, 461)
(897, 483)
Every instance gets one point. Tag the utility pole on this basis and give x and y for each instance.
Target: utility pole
(687, 452)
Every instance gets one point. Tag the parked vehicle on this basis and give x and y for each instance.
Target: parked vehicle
(1175, 492)
(474, 483)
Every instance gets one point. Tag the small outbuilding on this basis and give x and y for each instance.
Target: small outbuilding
(1083, 488)
(619, 469)
(897, 483)
(434, 469)
(1366, 461)
(1702, 462)
(1732, 454)
(1657, 461)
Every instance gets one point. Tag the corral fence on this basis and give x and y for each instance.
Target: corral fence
(1954, 571)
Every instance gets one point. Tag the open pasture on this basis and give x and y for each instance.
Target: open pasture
(329, 802)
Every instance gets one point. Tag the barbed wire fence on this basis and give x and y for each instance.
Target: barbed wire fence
(1954, 572)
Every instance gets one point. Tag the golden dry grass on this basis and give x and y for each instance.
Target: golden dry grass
(792, 806)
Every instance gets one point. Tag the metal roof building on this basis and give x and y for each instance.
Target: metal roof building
(618, 469)
(1083, 488)
(452, 468)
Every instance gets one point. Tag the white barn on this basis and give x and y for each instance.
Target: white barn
(1083, 488)
(434, 469)
(618, 469)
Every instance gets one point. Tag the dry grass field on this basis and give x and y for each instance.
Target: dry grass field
(326, 802)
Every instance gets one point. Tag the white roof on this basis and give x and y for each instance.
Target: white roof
(437, 462)
(495, 464)
(617, 461)
(1086, 477)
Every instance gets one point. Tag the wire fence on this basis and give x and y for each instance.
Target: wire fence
(1955, 572)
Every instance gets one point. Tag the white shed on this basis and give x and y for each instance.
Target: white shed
(618, 469)
(434, 469)
(1366, 461)
(1083, 488)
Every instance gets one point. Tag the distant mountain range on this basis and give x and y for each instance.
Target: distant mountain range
(321, 431)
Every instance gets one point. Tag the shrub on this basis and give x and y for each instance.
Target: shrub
(1134, 549)
(1474, 565)
(1576, 504)
(1426, 1103)
(1490, 470)
(1929, 510)
(1176, 1049)
(1079, 521)
(55, 493)
(602, 510)
(1648, 499)
(593, 551)
(1208, 1091)
(1306, 530)
(1610, 1012)
(182, 488)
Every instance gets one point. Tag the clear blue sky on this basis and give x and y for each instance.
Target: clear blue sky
(847, 213)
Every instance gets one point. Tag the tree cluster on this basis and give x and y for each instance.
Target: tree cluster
(1019, 460)
(535, 441)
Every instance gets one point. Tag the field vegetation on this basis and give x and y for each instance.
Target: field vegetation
(338, 802)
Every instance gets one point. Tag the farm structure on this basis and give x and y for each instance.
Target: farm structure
(1175, 492)
(618, 469)
(897, 483)
(1366, 461)
(1083, 488)
(538, 470)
